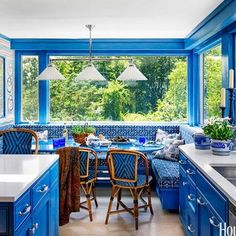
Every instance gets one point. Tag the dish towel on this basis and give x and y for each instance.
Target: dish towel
(69, 189)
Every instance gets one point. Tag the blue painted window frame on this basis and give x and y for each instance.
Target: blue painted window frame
(44, 87)
(4, 87)
(201, 52)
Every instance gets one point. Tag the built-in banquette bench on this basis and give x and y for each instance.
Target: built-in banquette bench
(165, 172)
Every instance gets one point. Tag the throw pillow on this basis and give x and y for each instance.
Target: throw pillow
(171, 152)
(161, 135)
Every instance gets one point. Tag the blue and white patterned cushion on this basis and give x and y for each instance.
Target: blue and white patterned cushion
(166, 173)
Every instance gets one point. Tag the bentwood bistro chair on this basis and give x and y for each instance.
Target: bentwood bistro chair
(88, 173)
(123, 170)
(18, 141)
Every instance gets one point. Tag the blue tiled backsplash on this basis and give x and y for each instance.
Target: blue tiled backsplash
(109, 131)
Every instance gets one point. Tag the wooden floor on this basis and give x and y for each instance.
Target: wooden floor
(161, 224)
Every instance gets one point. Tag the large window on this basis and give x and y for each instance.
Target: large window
(162, 98)
(212, 82)
(2, 87)
(29, 88)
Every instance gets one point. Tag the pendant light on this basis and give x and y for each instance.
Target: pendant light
(131, 73)
(90, 73)
(50, 73)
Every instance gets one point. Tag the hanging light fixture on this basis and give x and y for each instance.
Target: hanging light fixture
(131, 73)
(90, 73)
(50, 73)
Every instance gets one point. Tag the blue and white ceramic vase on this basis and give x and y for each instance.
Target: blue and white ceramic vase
(201, 141)
(221, 147)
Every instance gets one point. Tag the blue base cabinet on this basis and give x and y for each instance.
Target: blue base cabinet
(202, 207)
(36, 212)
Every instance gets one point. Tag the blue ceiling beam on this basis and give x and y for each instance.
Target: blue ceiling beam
(222, 17)
(100, 45)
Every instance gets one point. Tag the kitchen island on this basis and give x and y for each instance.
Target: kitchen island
(29, 194)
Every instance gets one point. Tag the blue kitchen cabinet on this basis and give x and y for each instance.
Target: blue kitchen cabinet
(202, 206)
(208, 220)
(36, 212)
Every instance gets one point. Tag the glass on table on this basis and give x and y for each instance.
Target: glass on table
(142, 140)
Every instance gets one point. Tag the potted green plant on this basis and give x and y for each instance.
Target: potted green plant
(81, 132)
(221, 134)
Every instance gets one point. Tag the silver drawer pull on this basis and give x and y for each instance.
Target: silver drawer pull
(185, 183)
(191, 197)
(201, 202)
(182, 162)
(33, 229)
(25, 211)
(190, 172)
(43, 189)
(211, 220)
(191, 229)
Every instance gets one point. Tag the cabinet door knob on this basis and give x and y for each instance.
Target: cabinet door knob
(190, 172)
(202, 203)
(43, 189)
(182, 162)
(32, 231)
(25, 210)
(36, 225)
(212, 222)
(185, 183)
(191, 229)
(191, 197)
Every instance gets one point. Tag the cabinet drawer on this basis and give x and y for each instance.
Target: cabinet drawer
(217, 201)
(22, 209)
(182, 161)
(191, 172)
(40, 189)
(54, 171)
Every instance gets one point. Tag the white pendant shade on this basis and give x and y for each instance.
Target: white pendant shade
(51, 73)
(131, 73)
(90, 73)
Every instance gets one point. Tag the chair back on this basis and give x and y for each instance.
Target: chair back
(18, 141)
(85, 156)
(123, 165)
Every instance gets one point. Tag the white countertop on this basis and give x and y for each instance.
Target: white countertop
(204, 160)
(19, 172)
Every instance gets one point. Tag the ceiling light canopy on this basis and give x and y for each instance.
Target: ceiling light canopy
(51, 73)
